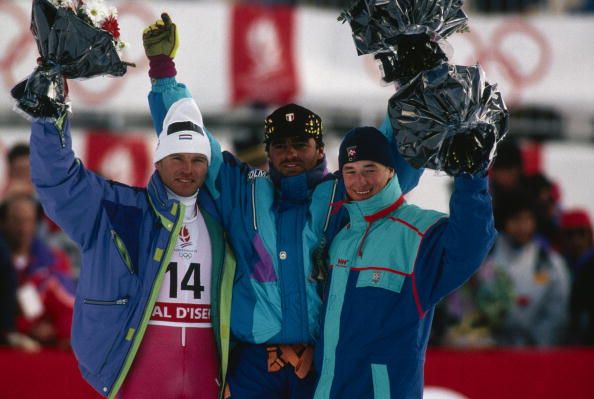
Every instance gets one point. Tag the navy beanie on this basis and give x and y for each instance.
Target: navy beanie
(365, 144)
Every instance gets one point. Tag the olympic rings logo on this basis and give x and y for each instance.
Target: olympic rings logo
(511, 68)
(492, 53)
(17, 49)
(185, 255)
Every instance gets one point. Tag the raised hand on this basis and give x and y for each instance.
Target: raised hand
(161, 38)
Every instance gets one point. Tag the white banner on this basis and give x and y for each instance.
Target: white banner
(537, 60)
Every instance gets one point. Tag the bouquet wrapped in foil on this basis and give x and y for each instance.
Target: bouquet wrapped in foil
(444, 117)
(449, 118)
(75, 40)
(405, 36)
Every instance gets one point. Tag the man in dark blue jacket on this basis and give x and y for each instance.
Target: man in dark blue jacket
(155, 280)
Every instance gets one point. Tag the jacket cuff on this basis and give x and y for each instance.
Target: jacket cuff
(159, 85)
(471, 183)
(161, 66)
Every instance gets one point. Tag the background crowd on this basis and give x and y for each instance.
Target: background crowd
(532, 288)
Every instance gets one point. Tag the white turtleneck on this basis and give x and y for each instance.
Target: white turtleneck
(184, 297)
(189, 203)
(179, 336)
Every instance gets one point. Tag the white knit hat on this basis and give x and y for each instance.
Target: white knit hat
(183, 131)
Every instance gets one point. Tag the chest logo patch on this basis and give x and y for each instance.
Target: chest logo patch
(376, 277)
(184, 238)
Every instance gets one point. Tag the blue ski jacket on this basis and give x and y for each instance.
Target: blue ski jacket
(389, 267)
(126, 235)
(279, 228)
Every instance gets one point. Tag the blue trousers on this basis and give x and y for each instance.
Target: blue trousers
(249, 377)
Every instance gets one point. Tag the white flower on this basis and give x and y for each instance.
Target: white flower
(112, 12)
(95, 10)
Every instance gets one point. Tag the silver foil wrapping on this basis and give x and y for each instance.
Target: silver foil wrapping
(375, 23)
(69, 48)
(449, 119)
(404, 35)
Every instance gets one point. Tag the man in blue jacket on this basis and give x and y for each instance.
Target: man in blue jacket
(279, 225)
(156, 277)
(388, 269)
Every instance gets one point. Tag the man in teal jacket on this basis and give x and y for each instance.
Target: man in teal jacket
(279, 225)
(156, 276)
(388, 269)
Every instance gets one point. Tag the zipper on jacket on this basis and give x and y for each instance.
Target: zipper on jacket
(122, 251)
(330, 206)
(254, 205)
(121, 301)
(132, 351)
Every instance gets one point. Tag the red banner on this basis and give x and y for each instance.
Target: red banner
(480, 374)
(262, 62)
(532, 157)
(512, 373)
(122, 158)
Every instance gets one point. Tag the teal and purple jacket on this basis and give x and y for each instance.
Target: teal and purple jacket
(279, 228)
(389, 267)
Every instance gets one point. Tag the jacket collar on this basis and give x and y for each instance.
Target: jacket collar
(378, 206)
(296, 188)
(165, 208)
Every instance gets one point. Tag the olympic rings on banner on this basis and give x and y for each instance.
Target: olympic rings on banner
(17, 49)
(94, 97)
(493, 53)
(13, 53)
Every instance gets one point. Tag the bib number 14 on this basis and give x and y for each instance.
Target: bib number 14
(190, 281)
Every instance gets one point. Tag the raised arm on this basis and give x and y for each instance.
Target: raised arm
(408, 177)
(227, 178)
(454, 248)
(70, 194)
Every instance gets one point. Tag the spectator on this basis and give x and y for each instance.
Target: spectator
(45, 286)
(462, 318)
(578, 248)
(546, 206)
(506, 174)
(507, 171)
(576, 232)
(19, 182)
(528, 272)
(472, 315)
(19, 178)
(8, 304)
